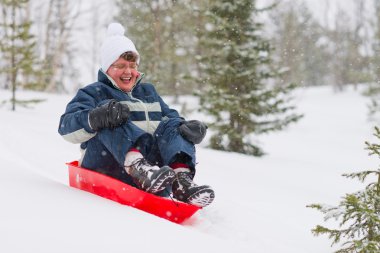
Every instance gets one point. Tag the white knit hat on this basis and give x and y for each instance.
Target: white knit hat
(114, 45)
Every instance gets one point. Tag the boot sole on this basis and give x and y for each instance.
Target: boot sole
(201, 198)
(162, 181)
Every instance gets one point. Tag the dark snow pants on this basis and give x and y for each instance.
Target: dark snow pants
(105, 152)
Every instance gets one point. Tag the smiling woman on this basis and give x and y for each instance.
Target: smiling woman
(128, 132)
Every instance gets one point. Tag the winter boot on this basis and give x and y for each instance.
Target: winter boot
(147, 177)
(184, 189)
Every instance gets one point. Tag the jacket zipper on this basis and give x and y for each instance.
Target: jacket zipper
(145, 107)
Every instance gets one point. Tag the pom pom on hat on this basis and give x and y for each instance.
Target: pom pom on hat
(115, 29)
(114, 45)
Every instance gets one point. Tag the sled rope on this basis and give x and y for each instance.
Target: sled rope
(170, 196)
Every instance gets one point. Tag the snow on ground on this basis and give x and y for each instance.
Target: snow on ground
(260, 203)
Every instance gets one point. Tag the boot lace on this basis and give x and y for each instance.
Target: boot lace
(139, 163)
(185, 179)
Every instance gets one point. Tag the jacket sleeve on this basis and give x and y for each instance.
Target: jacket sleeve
(74, 125)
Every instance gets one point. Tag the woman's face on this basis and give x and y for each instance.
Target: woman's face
(124, 73)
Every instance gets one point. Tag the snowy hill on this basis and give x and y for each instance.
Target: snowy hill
(260, 203)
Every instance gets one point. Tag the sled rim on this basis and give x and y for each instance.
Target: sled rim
(118, 191)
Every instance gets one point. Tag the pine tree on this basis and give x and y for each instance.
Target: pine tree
(239, 78)
(17, 48)
(358, 213)
(163, 32)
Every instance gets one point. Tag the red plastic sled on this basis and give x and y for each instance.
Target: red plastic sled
(113, 189)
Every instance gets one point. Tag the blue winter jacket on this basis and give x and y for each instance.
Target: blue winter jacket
(146, 106)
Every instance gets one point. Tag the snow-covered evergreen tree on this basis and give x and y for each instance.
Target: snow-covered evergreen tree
(17, 48)
(358, 213)
(240, 79)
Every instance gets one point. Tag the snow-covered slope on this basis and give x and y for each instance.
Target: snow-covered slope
(260, 203)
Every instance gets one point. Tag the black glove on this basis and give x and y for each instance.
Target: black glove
(109, 115)
(193, 131)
